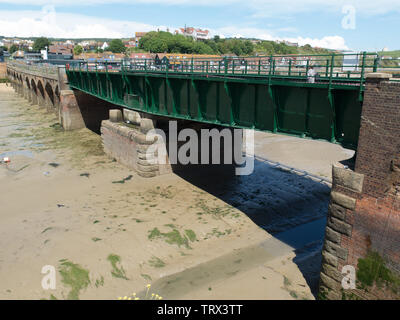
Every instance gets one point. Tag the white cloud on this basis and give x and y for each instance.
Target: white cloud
(63, 25)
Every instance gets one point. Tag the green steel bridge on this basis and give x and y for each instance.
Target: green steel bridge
(274, 93)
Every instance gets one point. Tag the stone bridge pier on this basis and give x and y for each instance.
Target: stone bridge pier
(361, 254)
(150, 145)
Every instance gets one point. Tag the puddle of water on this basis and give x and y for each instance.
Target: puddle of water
(26, 153)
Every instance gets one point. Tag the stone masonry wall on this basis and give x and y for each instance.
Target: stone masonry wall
(363, 228)
(128, 144)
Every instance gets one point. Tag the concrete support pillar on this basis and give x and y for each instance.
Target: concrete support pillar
(363, 229)
(70, 114)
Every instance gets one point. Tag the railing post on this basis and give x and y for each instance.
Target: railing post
(226, 65)
(376, 61)
(270, 65)
(327, 68)
(290, 67)
(273, 67)
(259, 66)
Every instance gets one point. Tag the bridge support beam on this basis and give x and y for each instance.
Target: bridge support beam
(69, 112)
(362, 239)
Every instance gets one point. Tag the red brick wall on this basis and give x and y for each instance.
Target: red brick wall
(375, 217)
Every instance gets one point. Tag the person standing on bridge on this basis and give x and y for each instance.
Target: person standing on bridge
(311, 74)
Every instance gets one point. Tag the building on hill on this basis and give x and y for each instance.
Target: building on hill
(61, 48)
(195, 33)
(104, 56)
(138, 36)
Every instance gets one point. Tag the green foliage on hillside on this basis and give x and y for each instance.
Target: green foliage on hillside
(41, 43)
(175, 43)
(116, 46)
(393, 54)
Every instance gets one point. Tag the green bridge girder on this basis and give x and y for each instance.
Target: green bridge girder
(328, 110)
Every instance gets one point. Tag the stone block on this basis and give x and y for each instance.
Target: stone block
(343, 200)
(378, 75)
(332, 235)
(329, 259)
(329, 282)
(146, 125)
(340, 226)
(337, 211)
(347, 178)
(115, 115)
(331, 272)
(336, 250)
(131, 116)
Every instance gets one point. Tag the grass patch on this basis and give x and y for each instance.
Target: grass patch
(96, 239)
(99, 282)
(372, 270)
(117, 272)
(146, 277)
(167, 193)
(191, 235)
(73, 276)
(172, 237)
(156, 262)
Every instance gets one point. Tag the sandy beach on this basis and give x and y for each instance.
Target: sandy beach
(109, 233)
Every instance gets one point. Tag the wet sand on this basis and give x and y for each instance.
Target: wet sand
(109, 232)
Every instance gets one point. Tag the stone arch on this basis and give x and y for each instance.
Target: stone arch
(27, 83)
(33, 86)
(50, 93)
(40, 89)
(57, 92)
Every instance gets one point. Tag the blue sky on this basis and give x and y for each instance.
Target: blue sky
(368, 25)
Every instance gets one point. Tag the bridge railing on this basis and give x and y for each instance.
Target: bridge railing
(43, 70)
(327, 67)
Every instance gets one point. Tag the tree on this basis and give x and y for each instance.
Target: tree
(41, 43)
(13, 48)
(116, 46)
(78, 50)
